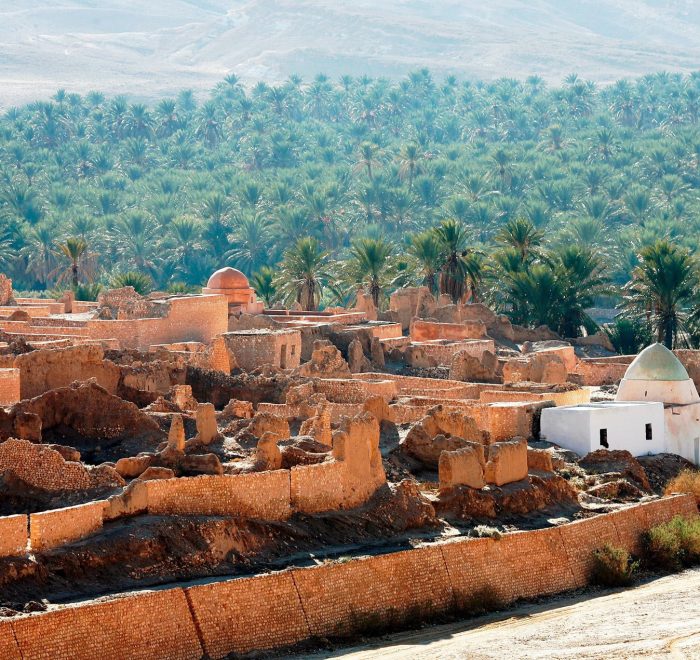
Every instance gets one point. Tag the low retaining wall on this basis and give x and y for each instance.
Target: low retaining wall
(280, 609)
(51, 529)
(263, 495)
(13, 537)
(144, 626)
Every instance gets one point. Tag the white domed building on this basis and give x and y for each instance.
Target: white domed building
(658, 375)
(657, 409)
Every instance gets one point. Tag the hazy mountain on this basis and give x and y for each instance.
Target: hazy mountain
(155, 47)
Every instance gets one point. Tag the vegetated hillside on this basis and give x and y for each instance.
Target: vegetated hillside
(146, 49)
(538, 199)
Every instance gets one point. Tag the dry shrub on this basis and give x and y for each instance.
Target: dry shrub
(673, 545)
(687, 481)
(613, 567)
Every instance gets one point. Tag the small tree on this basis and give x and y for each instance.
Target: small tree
(303, 273)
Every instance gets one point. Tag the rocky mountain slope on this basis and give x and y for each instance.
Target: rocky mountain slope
(155, 48)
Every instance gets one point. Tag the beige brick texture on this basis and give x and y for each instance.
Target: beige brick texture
(51, 529)
(248, 614)
(13, 536)
(146, 626)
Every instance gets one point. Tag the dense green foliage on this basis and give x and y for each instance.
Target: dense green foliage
(673, 545)
(547, 197)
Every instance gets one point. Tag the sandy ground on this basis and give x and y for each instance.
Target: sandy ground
(659, 619)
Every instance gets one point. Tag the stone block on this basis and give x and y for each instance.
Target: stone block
(463, 467)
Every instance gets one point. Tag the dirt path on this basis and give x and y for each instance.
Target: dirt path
(659, 619)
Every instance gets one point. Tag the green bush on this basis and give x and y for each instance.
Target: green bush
(673, 545)
(141, 282)
(613, 567)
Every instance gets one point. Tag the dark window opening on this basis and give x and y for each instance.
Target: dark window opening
(648, 431)
(604, 438)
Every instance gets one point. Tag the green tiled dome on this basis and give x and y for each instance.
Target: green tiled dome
(656, 362)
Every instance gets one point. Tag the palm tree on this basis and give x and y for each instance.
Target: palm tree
(303, 273)
(452, 239)
(369, 264)
(581, 278)
(251, 239)
(263, 281)
(141, 282)
(409, 162)
(522, 235)
(368, 159)
(662, 290)
(82, 262)
(425, 250)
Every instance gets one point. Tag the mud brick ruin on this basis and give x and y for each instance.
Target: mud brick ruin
(154, 441)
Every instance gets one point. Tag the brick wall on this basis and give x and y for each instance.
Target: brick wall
(571, 398)
(41, 371)
(248, 614)
(191, 318)
(263, 495)
(9, 386)
(262, 612)
(8, 645)
(428, 330)
(143, 626)
(316, 488)
(338, 597)
(51, 529)
(13, 538)
(254, 348)
(42, 467)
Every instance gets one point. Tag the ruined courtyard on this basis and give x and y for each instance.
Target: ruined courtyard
(189, 476)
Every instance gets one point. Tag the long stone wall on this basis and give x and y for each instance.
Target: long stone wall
(191, 318)
(142, 626)
(51, 529)
(276, 610)
(264, 495)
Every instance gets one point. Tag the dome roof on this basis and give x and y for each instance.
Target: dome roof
(228, 278)
(656, 362)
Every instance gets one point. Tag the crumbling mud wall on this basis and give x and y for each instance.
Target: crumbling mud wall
(190, 318)
(280, 609)
(44, 370)
(89, 411)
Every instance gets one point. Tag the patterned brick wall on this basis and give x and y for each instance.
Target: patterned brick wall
(8, 645)
(338, 597)
(317, 488)
(248, 614)
(13, 538)
(42, 467)
(238, 616)
(264, 495)
(9, 386)
(143, 626)
(50, 529)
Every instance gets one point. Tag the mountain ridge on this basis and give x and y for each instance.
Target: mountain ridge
(151, 50)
